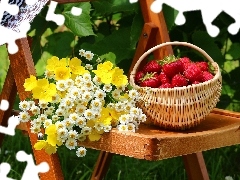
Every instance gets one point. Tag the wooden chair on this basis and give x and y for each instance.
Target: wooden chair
(220, 129)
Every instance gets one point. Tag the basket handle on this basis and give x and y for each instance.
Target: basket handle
(171, 43)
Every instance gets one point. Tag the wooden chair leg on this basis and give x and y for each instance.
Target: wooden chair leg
(195, 166)
(22, 67)
(102, 165)
(9, 93)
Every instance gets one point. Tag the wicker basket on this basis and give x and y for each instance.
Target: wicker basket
(179, 107)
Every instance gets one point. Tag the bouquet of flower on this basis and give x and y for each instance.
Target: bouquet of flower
(79, 99)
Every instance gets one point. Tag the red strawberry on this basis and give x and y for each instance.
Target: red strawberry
(152, 66)
(138, 77)
(206, 76)
(193, 73)
(179, 80)
(163, 78)
(186, 61)
(166, 85)
(172, 68)
(150, 80)
(203, 65)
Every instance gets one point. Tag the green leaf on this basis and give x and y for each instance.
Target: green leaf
(109, 57)
(59, 44)
(204, 41)
(136, 29)
(107, 7)
(79, 25)
(234, 50)
(118, 43)
(170, 15)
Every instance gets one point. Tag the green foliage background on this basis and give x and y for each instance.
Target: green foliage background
(112, 28)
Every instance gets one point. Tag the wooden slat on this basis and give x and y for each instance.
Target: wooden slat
(154, 143)
(159, 21)
(9, 93)
(22, 67)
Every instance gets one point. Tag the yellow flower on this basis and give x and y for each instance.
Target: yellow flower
(74, 65)
(80, 70)
(118, 78)
(54, 63)
(62, 73)
(50, 145)
(42, 144)
(30, 83)
(44, 91)
(94, 135)
(105, 117)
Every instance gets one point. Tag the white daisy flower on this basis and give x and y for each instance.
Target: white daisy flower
(87, 77)
(107, 87)
(88, 55)
(67, 102)
(43, 117)
(49, 110)
(135, 111)
(61, 85)
(62, 134)
(142, 117)
(81, 152)
(98, 126)
(35, 110)
(131, 127)
(68, 123)
(55, 99)
(74, 116)
(122, 127)
(36, 122)
(24, 105)
(89, 114)
(100, 94)
(59, 125)
(55, 117)
(87, 96)
(81, 122)
(43, 104)
(71, 144)
(49, 74)
(97, 80)
(78, 81)
(47, 123)
(89, 66)
(116, 94)
(69, 83)
(86, 130)
(35, 129)
(98, 60)
(24, 116)
(96, 104)
(133, 94)
(82, 52)
(59, 112)
(80, 109)
(124, 119)
(88, 85)
(107, 128)
(72, 134)
(121, 88)
(74, 92)
(119, 106)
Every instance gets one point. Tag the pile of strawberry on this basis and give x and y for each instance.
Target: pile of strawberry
(173, 72)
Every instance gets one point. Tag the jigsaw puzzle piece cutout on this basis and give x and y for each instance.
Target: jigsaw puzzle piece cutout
(4, 170)
(9, 36)
(31, 171)
(51, 16)
(4, 105)
(13, 121)
(59, 18)
(12, 9)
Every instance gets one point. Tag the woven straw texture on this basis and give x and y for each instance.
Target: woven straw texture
(179, 107)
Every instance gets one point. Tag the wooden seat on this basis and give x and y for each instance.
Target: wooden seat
(149, 142)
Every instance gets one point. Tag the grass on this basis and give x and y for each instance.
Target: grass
(220, 162)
